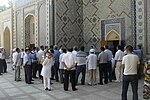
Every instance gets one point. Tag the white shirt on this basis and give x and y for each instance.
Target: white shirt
(92, 61)
(22, 54)
(17, 59)
(0, 55)
(46, 69)
(131, 61)
(119, 55)
(40, 54)
(109, 53)
(69, 59)
(74, 53)
(61, 66)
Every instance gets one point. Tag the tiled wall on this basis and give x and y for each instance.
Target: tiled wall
(69, 25)
(140, 21)
(98, 14)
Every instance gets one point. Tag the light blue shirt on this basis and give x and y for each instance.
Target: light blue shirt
(27, 59)
(109, 53)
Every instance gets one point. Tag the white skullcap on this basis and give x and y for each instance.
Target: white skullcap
(92, 50)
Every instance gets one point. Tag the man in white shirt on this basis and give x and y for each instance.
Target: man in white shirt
(17, 64)
(109, 65)
(40, 55)
(118, 59)
(61, 66)
(130, 63)
(69, 63)
(92, 64)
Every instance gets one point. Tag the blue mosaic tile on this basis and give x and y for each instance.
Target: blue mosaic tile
(140, 17)
(140, 23)
(140, 9)
(140, 2)
(140, 30)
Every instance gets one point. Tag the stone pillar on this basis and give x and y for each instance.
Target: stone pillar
(140, 22)
(36, 24)
(48, 22)
(133, 21)
(22, 29)
(14, 27)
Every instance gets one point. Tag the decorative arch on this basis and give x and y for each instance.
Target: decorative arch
(29, 30)
(6, 41)
(112, 36)
(42, 24)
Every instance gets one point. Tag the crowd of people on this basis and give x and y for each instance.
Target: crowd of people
(65, 66)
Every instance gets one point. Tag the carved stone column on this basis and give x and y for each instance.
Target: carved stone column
(14, 27)
(36, 24)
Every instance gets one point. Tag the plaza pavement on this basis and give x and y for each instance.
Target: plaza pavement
(11, 90)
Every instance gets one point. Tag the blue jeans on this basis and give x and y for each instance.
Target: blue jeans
(133, 79)
(81, 69)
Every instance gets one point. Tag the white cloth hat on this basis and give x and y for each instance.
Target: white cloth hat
(92, 50)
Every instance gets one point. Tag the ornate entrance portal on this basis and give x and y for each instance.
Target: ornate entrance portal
(113, 39)
(29, 31)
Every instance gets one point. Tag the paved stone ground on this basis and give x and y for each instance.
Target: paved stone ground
(11, 90)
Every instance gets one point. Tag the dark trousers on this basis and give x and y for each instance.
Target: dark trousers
(61, 72)
(1, 66)
(31, 69)
(27, 69)
(133, 79)
(34, 69)
(56, 70)
(40, 69)
(103, 72)
(109, 65)
(4, 66)
(71, 75)
(52, 72)
(80, 69)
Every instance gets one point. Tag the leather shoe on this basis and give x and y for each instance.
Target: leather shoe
(49, 89)
(100, 83)
(31, 83)
(75, 89)
(46, 89)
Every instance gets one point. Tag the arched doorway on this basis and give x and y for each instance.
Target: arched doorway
(7, 41)
(113, 39)
(29, 31)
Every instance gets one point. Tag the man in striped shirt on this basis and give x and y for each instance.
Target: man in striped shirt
(81, 65)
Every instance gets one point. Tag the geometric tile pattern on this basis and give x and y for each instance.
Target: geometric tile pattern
(132, 37)
(96, 11)
(69, 23)
(140, 21)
